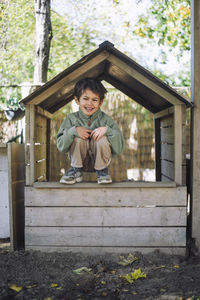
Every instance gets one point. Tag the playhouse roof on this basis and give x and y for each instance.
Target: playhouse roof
(109, 64)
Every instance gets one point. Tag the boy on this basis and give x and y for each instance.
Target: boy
(89, 136)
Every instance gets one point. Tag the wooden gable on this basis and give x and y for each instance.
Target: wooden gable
(109, 64)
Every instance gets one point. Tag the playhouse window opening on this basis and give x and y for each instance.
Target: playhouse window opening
(137, 162)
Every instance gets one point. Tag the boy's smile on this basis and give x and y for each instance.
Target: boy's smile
(89, 102)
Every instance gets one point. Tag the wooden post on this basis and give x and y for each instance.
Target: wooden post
(178, 138)
(195, 123)
(32, 143)
(157, 149)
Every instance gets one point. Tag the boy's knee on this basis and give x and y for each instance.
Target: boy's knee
(103, 142)
(78, 140)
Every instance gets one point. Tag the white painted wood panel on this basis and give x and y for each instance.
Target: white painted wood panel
(102, 216)
(167, 151)
(100, 196)
(167, 168)
(106, 236)
(4, 197)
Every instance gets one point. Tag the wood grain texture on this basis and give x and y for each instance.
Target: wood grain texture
(106, 236)
(107, 197)
(104, 216)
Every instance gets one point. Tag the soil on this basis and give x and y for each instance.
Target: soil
(37, 275)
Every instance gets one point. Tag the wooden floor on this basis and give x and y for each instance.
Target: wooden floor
(119, 217)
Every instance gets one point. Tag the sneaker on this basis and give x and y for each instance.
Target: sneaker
(72, 176)
(103, 176)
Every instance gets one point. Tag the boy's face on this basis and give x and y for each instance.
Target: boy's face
(89, 102)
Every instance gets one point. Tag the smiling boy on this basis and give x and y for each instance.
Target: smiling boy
(89, 136)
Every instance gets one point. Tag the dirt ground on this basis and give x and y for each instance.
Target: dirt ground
(36, 275)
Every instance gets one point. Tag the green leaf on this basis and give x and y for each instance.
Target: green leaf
(131, 277)
(82, 270)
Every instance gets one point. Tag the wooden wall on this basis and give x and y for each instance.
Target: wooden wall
(121, 217)
(170, 144)
(37, 144)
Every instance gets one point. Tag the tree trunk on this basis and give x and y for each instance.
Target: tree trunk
(43, 40)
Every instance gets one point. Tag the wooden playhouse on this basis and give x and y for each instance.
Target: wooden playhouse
(122, 216)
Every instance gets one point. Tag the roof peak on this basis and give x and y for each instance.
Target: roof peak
(106, 44)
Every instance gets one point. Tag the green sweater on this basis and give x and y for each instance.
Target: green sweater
(67, 131)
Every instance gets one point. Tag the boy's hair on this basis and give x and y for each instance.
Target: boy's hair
(92, 84)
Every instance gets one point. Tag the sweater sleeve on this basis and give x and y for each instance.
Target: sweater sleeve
(115, 137)
(66, 135)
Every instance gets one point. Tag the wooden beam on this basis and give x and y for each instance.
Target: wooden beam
(164, 113)
(157, 149)
(178, 138)
(195, 124)
(43, 112)
(144, 80)
(32, 144)
(27, 144)
(70, 77)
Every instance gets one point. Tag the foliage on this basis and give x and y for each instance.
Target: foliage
(10, 98)
(17, 41)
(167, 22)
(77, 31)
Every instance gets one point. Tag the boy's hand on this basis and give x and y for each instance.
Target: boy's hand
(98, 133)
(83, 132)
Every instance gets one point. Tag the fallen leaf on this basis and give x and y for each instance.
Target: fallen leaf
(104, 294)
(134, 293)
(54, 285)
(48, 298)
(176, 266)
(15, 287)
(59, 288)
(82, 270)
(131, 277)
(127, 261)
(31, 286)
(103, 282)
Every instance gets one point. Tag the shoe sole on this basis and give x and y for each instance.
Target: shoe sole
(104, 181)
(79, 179)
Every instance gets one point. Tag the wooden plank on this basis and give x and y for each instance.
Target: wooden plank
(136, 197)
(143, 79)
(70, 77)
(164, 113)
(32, 142)
(167, 135)
(104, 216)
(165, 178)
(167, 152)
(167, 168)
(40, 151)
(40, 170)
(27, 144)
(104, 250)
(104, 236)
(48, 156)
(178, 136)
(43, 112)
(16, 194)
(195, 125)
(125, 184)
(157, 149)
(167, 121)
